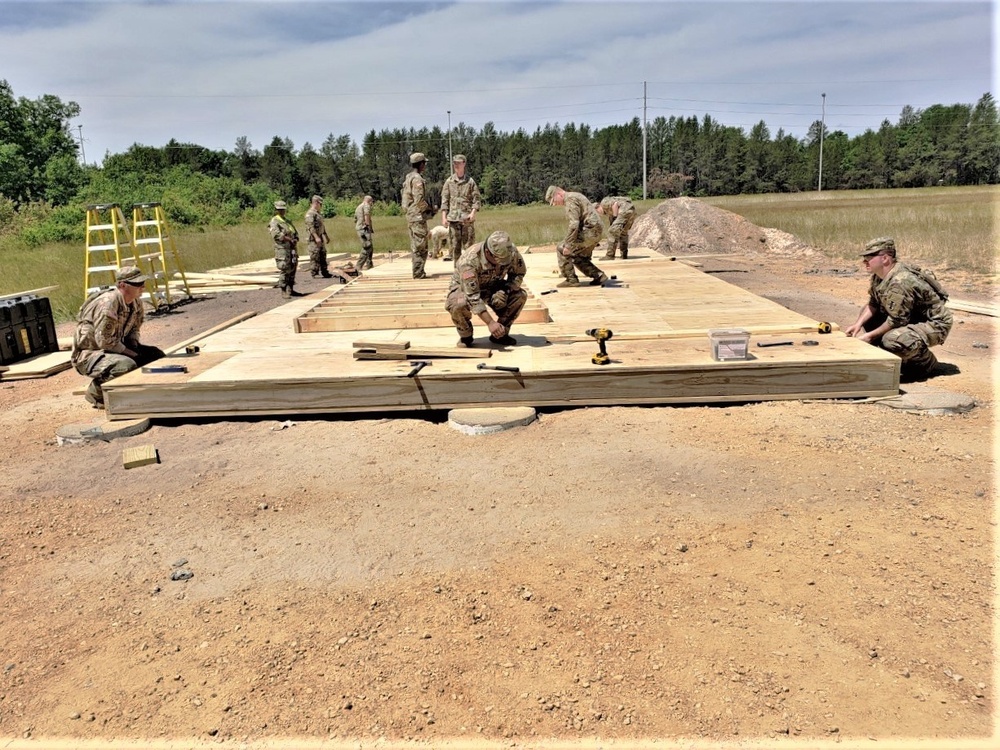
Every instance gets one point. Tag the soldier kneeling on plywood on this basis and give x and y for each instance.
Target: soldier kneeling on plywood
(488, 275)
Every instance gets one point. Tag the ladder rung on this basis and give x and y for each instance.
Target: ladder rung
(147, 223)
(92, 248)
(101, 227)
(97, 269)
(147, 241)
(149, 256)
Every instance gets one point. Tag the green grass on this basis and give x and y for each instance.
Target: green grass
(948, 228)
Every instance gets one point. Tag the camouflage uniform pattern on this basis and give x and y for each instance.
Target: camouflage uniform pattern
(316, 232)
(438, 239)
(107, 326)
(621, 225)
(417, 212)
(913, 302)
(583, 232)
(363, 225)
(286, 258)
(459, 198)
(476, 283)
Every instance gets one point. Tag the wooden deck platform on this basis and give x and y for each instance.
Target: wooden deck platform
(283, 362)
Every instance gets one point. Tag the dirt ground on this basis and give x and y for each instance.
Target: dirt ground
(605, 576)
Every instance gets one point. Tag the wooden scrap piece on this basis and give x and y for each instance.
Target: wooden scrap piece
(381, 345)
(140, 455)
(454, 353)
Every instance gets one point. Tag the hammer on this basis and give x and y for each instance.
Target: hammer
(484, 366)
(417, 367)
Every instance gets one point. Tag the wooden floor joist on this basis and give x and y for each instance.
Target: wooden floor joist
(660, 351)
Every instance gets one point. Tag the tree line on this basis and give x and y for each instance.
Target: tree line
(956, 144)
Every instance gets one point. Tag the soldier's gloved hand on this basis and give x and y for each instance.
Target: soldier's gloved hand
(499, 300)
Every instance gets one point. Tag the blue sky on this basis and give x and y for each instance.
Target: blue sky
(210, 72)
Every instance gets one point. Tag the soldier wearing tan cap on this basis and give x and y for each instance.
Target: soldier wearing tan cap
(286, 256)
(489, 275)
(418, 211)
(318, 238)
(906, 312)
(106, 341)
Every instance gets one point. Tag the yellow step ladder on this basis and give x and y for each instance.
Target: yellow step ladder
(157, 252)
(109, 246)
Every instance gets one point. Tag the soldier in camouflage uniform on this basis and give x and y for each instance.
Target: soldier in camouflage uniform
(459, 204)
(622, 214)
(906, 312)
(438, 241)
(583, 232)
(106, 341)
(363, 225)
(318, 238)
(489, 275)
(286, 257)
(417, 211)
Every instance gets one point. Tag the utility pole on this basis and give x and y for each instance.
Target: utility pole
(449, 138)
(822, 132)
(644, 140)
(83, 156)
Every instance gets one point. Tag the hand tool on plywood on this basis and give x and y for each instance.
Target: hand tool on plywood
(601, 335)
(502, 368)
(164, 369)
(417, 367)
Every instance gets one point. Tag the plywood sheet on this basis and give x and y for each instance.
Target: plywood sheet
(660, 352)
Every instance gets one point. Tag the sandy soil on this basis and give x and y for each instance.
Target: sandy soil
(818, 570)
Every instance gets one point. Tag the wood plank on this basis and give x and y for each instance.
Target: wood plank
(40, 292)
(140, 455)
(381, 344)
(409, 318)
(41, 366)
(753, 330)
(214, 329)
(977, 308)
(453, 353)
(660, 353)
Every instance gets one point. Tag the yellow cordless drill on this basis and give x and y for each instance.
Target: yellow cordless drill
(602, 335)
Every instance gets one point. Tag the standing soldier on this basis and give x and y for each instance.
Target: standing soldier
(488, 275)
(417, 211)
(286, 257)
(318, 238)
(106, 341)
(459, 204)
(583, 232)
(363, 224)
(622, 214)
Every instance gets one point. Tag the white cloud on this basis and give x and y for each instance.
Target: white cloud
(210, 72)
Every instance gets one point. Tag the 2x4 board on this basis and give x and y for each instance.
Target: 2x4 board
(660, 311)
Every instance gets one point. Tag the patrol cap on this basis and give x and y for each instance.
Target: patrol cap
(130, 275)
(280, 206)
(317, 199)
(500, 246)
(417, 157)
(885, 245)
(550, 193)
(458, 158)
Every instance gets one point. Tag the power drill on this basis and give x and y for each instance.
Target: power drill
(602, 335)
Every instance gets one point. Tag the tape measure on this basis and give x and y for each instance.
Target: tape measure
(825, 327)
